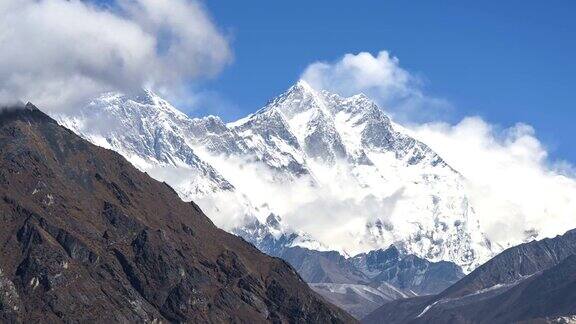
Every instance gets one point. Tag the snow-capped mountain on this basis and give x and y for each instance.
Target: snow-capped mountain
(161, 140)
(336, 168)
(350, 148)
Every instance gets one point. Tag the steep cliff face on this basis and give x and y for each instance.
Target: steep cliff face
(87, 237)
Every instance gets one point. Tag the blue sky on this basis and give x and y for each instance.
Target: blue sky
(507, 61)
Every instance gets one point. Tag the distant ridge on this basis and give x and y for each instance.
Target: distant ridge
(531, 282)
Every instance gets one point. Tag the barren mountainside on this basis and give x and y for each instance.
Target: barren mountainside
(86, 237)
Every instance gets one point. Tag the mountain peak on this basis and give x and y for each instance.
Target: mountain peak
(143, 101)
(144, 96)
(304, 85)
(18, 106)
(306, 97)
(299, 98)
(361, 97)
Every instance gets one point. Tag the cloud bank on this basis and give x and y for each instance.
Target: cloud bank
(333, 211)
(516, 189)
(57, 53)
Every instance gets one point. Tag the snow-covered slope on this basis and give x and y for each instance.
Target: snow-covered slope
(151, 134)
(336, 168)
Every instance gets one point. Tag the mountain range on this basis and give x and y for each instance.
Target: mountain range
(532, 282)
(88, 237)
(321, 150)
(307, 159)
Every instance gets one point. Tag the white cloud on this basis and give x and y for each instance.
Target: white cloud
(333, 208)
(381, 78)
(56, 53)
(515, 188)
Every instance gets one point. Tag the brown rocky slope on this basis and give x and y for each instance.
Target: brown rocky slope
(87, 237)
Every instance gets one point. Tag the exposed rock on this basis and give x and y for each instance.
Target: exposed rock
(364, 282)
(359, 299)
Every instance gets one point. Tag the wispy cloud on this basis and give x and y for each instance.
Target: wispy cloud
(57, 52)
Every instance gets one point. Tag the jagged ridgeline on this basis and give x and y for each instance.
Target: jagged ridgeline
(311, 145)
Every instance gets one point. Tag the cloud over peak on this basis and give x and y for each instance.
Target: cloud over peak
(381, 78)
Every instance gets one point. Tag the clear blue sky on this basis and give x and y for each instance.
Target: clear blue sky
(507, 61)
